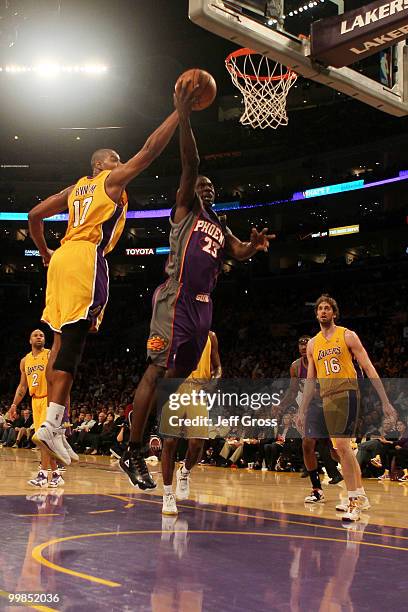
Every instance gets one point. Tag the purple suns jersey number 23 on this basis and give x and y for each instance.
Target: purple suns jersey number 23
(196, 251)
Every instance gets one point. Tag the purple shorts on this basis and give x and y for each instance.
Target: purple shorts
(179, 327)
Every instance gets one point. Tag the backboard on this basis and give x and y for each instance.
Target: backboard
(275, 30)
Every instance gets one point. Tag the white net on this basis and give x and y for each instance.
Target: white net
(264, 85)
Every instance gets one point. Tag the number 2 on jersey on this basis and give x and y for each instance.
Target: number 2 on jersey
(35, 380)
(79, 219)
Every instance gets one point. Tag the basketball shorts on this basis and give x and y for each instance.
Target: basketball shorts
(179, 327)
(341, 413)
(77, 285)
(315, 423)
(187, 421)
(39, 406)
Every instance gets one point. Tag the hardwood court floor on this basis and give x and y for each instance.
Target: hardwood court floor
(280, 492)
(243, 541)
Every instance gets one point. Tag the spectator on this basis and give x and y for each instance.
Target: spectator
(288, 440)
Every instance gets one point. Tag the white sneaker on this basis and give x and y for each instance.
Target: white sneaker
(39, 481)
(50, 439)
(362, 500)
(316, 497)
(72, 454)
(169, 504)
(183, 484)
(353, 512)
(56, 481)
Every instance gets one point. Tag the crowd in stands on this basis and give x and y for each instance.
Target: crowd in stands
(258, 322)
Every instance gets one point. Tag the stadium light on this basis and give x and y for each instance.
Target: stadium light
(51, 69)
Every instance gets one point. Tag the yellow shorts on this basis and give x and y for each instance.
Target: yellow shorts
(39, 406)
(341, 413)
(77, 285)
(190, 421)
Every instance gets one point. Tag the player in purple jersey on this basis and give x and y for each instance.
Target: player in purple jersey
(182, 306)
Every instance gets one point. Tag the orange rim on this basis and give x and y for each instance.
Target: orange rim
(245, 51)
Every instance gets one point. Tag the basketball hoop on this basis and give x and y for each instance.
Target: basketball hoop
(264, 86)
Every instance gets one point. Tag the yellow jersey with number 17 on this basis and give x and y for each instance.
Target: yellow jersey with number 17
(93, 215)
(334, 363)
(34, 367)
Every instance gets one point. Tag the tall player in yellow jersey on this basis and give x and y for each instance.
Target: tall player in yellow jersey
(330, 360)
(77, 283)
(32, 378)
(208, 367)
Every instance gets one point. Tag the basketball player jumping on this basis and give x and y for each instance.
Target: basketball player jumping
(315, 433)
(77, 281)
(33, 377)
(182, 306)
(209, 367)
(330, 360)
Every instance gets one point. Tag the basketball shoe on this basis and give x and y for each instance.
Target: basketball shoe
(362, 501)
(134, 465)
(316, 497)
(183, 483)
(72, 454)
(40, 480)
(50, 438)
(169, 504)
(353, 511)
(56, 481)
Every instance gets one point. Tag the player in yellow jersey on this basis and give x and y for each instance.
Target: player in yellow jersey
(77, 282)
(330, 359)
(208, 367)
(32, 368)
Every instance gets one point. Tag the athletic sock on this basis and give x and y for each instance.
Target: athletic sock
(315, 478)
(55, 412)
(168, 489)
(352, 494)
(184, 470)
(361, 491)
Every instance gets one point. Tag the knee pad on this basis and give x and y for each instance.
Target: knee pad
(73, 338)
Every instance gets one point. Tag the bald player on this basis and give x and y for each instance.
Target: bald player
(77, 279)
(32, 378)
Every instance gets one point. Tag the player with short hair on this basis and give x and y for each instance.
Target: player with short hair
(330, 361)
(77, 280)
(33, 378)
(315, 430)
(182, 306)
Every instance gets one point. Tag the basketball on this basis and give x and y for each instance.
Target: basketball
(207, 88)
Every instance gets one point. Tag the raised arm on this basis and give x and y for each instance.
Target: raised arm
(152, 148)
(216, 369)
(53, 205)
(354, 344)
(20, 391)
(258, 241)
(190, 160)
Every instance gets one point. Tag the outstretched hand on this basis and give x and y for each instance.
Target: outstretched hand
(184, 97)
(260, 240)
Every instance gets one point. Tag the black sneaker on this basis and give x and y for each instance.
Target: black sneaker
(134, 466)
(336, 479)
(304, 474)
